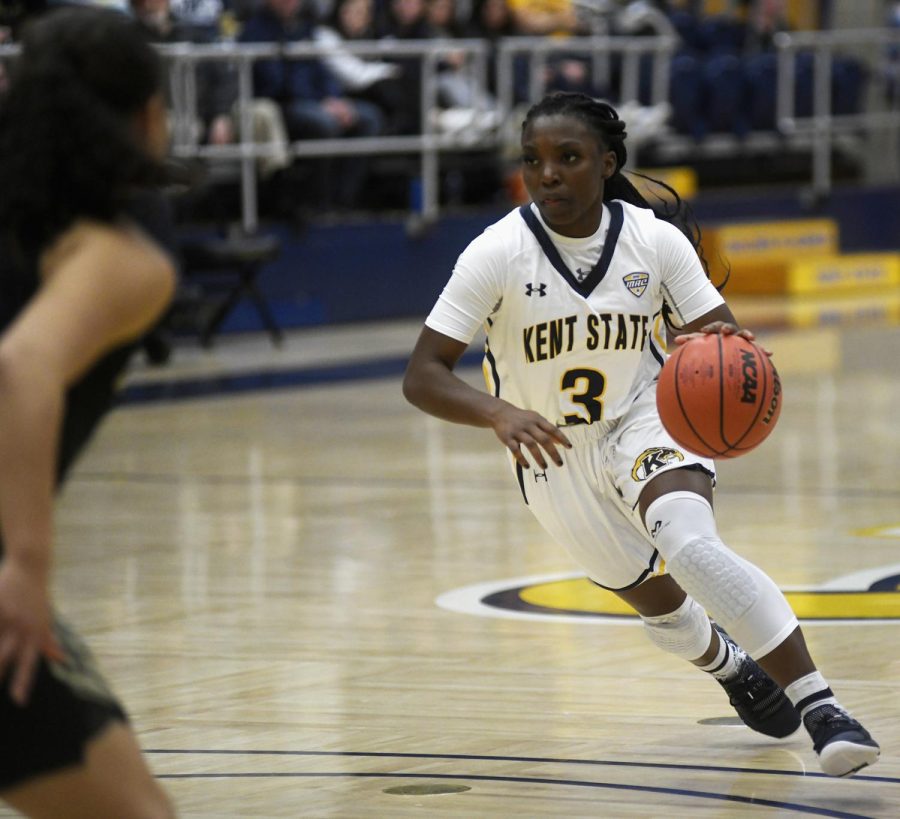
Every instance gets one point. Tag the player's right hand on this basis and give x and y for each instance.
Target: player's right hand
(26, 627)
(520, 429)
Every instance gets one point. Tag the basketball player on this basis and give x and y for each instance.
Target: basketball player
(82, 126)
(575, 291)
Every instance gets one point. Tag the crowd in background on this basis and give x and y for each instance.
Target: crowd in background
(349, 95)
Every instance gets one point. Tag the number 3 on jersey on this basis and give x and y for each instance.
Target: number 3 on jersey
(584, 388)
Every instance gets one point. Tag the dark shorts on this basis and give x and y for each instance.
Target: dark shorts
(70, 704)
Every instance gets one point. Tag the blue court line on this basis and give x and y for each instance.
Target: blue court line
(534, 780)
(613, 763)
(265, 380)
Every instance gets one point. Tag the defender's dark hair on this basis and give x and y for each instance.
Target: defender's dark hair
(603, 120)
(67, 149)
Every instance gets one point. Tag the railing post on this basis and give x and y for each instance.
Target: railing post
(786, 79)
(429, 175)
(822, 120)
(249, 199)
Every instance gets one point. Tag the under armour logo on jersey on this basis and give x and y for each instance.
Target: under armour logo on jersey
(637, 283)
(540, 476)
(541, 289)
(580, 274)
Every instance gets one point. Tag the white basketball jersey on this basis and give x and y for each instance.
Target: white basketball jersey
(574, 326)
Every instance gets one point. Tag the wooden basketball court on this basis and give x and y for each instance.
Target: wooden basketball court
(283, 569)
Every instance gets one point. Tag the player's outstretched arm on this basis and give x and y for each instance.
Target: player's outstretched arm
(431, 385)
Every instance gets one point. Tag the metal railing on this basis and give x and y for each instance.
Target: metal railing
(599, 52)
(428, 144)
(881, 107)
(818, 130)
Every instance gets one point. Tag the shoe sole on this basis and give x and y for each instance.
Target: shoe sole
(844, 758)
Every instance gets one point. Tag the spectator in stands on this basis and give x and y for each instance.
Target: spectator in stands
(314, 104)
(556, 18)
(217, 93)
(206, 13)
(377, 81)
(216, 80)
(407, 20)
(767, 18)
(458, 87)
(539, 18)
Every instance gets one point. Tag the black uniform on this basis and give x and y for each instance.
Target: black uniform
(70, 702)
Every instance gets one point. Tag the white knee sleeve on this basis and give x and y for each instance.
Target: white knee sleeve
(685, 632)
(740, 597)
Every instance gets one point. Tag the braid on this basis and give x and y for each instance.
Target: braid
(67, 150)
(603, 120)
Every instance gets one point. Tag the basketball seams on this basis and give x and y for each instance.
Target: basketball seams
(711, 450)
(720, 351)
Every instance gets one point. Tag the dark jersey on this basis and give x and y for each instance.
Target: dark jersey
(88, 400)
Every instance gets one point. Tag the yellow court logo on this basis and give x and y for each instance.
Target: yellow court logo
(862, 597)
(579, 596)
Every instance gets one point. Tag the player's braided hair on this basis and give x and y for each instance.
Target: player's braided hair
(603, 120)
(67, 148)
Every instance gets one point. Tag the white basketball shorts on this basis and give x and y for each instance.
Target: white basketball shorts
(589, 505)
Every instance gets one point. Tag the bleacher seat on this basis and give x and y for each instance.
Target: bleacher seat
(803, 85)
(723, 84)
(686, 96)
(760, 91)
(848, 80)
(721, 34)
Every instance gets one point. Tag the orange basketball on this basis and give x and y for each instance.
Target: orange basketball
(719, 396)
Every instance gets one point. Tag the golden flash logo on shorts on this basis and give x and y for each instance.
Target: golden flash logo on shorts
(652, 460)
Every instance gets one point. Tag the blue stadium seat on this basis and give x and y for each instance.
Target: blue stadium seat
(685, 24)
(721, 34)
(848, 83)
(760, 78)
(686, 96)
(803, 85)
(723, 82)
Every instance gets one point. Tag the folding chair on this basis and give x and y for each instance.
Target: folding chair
(224, 270)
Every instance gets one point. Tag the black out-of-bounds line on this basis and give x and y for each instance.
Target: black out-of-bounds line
(532, 780)
(612, 763)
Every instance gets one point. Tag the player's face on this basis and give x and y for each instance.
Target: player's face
(564, 168)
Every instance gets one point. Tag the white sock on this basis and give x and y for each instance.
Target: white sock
(810, 692)
(727, 662)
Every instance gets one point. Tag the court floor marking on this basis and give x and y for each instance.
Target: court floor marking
(611, 763)
(535, 780)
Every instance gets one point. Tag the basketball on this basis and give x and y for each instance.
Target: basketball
(719, 396)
